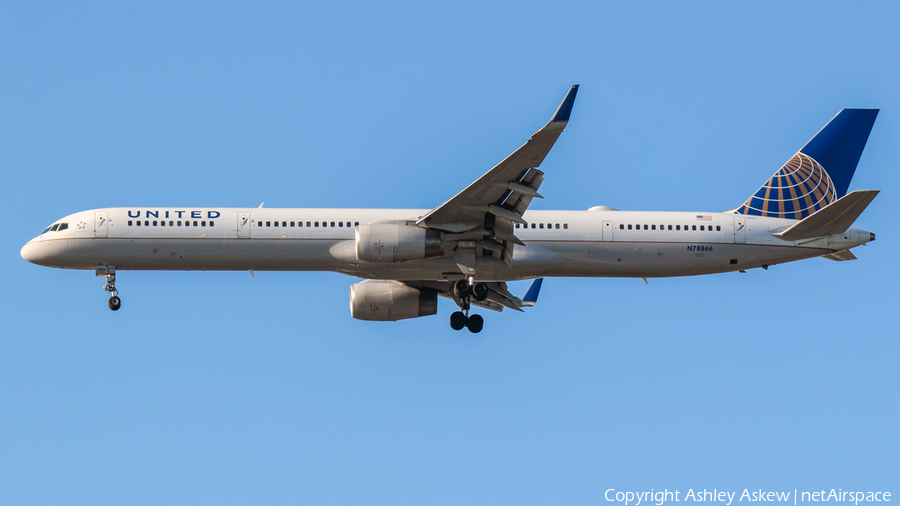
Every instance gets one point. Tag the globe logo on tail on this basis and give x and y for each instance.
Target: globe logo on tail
(800, 188)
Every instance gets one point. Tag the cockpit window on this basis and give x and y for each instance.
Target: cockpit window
(56, 227)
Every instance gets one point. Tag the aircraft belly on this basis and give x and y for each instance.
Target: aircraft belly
(649, 259)
(200, 254)
(553, 259)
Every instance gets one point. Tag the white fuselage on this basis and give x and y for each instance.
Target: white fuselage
(557, 243)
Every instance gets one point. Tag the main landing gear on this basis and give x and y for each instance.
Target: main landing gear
(463, 291)
(110, 273)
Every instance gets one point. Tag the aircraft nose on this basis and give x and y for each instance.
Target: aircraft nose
(30, 252)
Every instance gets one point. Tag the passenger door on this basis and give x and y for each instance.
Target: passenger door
(607, 230)
(101, 224)
(243, 225)
(740, 229)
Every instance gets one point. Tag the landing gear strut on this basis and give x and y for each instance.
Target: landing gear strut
(109, 272)
(464, 291)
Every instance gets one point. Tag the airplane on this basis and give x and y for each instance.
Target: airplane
(469, 247)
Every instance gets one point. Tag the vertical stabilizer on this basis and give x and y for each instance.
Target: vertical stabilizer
(819, 174)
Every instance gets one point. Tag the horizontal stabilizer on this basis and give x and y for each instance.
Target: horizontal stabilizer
(841, 256)
(832, 219)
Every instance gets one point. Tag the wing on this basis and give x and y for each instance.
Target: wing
(490, 207)
(498, 297)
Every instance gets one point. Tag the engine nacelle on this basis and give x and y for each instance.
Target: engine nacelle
(389, 301)
(396, 242)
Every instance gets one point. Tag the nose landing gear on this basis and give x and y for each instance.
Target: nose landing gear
(109, 272)
(463, 291)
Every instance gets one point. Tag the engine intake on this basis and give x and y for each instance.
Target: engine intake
(389, 301)
(396, 242)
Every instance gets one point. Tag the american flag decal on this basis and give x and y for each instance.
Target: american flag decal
(704, 217)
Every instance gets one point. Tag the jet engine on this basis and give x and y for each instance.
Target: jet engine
(389, 301)
(396, 242)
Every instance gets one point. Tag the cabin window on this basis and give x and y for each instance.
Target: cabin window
(677, 227)
(162, 223)
(283, 223)
(292, 223)
(670, 227)
(701, 228)
(694, 227)
(557, 226)
(645, 227)
(652, 227)
(202, 223)
(129, 223)
(340, 223)
(629, 226)
(195, 223)
(542, 225)
(276, 223)
(718, 228)
(349, 225)
(566, 226)
(211, 223)
(533, 225)
(621, 226)
(154, 223)
(332, 223)
(317, 223)
(268, 223)
(179, 223)
(138, 223)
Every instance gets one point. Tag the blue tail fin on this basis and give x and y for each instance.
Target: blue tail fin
(819, 173)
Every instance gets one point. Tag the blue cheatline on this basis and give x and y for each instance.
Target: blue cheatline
(819, 173)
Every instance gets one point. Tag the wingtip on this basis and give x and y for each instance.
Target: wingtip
(565, 108)
(531, 295)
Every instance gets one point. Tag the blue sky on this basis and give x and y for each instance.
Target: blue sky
(222, 388)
